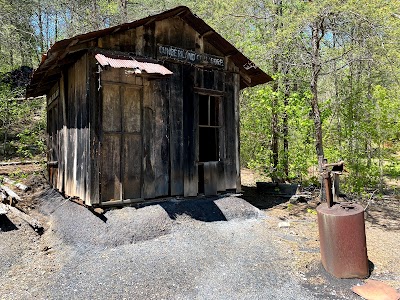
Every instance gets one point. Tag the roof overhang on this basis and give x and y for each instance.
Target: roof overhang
(67, 51)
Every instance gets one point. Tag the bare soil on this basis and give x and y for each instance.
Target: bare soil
(382, 224)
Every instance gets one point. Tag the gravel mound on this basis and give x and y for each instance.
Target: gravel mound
(236, 208)
(73, 224)
(128, 225)
(12, 229)
(77, 226)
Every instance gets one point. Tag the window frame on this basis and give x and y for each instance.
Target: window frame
(217, 127)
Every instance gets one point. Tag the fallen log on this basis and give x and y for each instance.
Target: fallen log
(10, 193)
(15, 163)
(20, 186)
(35, 224)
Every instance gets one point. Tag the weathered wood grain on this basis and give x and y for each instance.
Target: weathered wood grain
(190, 128)
(93, 192)
(149, 142)
(131, 109)
(176, 129)
(210, 178)
(131, 166)
(161, 139)
(230, 133)
(111, 108)
(111, 167)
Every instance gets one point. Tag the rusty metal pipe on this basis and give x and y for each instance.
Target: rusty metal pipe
(328, 188)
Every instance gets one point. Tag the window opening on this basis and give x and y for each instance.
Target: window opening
(209, 126)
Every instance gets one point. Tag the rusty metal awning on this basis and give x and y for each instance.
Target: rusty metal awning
(131, 63)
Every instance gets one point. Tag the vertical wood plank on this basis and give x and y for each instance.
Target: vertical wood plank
(149, 142)
(55, 143)
(131, 166)
(199, 78)
(190, 124)
(161, 137)
(93, 193)
(221, 186)
(230, 133)
(176, 130)
(80, 149)
(210, 178)
(111, 167)
(86, 126)
(64, 79)
(236, 81)
(131, 109)
(70, 133)
(111, 120)
(81, 139)
(61, 144)
(150, 40)
(140, 42)
(222, 145)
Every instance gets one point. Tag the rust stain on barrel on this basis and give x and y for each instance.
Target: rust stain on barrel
(342, 240)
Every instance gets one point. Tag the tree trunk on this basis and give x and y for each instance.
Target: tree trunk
(56, 27)
(316, 29)
(275, 101)
(317, 32)
(285, 132)
(123, 9)
(40, 25)
(274, 134)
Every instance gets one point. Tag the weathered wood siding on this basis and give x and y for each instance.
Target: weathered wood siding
(171, 113)
(156, 139)
(53, 99)
(123, 136)
(68, 132)
(75, 133)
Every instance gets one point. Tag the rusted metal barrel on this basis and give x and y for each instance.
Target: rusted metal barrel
(342, 240)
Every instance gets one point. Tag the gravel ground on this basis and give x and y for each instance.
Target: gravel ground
(204, 248)
(212, 248)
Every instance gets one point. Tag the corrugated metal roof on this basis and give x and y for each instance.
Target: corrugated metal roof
(60, 53)
(131, 63)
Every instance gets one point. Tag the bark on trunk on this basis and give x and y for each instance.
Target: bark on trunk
(285, 131)
(123, 8)
(317, 33)
(275, 116)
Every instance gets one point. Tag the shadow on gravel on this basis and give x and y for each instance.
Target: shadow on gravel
(200, 209)
(6, 224)
(260, 199)
(210, 209)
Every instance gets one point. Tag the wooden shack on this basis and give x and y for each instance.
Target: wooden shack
(144, 110)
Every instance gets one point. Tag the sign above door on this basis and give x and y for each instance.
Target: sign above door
(188, 56)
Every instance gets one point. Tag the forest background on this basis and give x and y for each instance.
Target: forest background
(335, 64)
